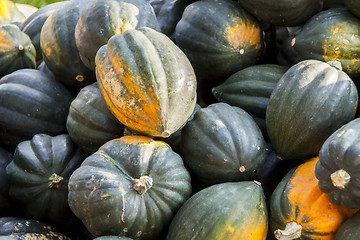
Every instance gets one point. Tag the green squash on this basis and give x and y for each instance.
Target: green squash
(16, 50)
(101, 19)
(250, 89)
(338, 165)
(223, 143)
(220, 44)
(282, 12)
(330, 35)
(333, 4)
(353, 6)
(90, 123)
(33, 24)
(39, 173)
(27, 229)
(132, 186)
(223, 211)
(349, 230)
(5, 202)
(58, 46)
(311, 101)
(147, 82)
(33, 102)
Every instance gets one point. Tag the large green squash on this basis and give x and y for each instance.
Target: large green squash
(310, 102)
(331, 35)
(353, 6)
(222, 143)
(337, 169)
(282, 12)
(58, 46)
(250, 89)
(131, 186)
(219, 37)
(223, 211)
(101, 19)
(16, 50)
(33, 102)
(147, 81)
(28, 229)
(39, 173)
(90, 123)
(5, 202)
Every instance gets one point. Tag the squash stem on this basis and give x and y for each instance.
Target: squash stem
(142, 184)
(55, 181)
(292, 231)
(340, 178)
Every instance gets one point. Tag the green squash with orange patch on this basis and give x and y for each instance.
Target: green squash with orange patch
(219, 37)
(330, 35)
(147, 82)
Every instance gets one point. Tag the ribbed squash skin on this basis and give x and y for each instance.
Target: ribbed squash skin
(223, 143)
(331, 35)
(33, 102)
(118, 206)
(58, 46)
(349, 230)
(16, 50)
(340, 152)
(220, 44)
(5, 203)
(310, 102)
(223, 211)
(282, 12)
(26, 229)
(250, 89)
(147, 81)
(90, 123)
(31, 176)
(298, 199)
(9, 13)
(353, 6)
(101, 19)
(33, 24)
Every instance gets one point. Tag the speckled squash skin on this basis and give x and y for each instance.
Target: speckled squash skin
(101, 19)
(220, 44)
(131, 186)
(298, 204)
(147, 81)
(331, 35)
(337, 169)
(223, 211)
(16, 50)
(311, 101)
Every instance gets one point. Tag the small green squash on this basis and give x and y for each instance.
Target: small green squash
(310, 102)
(132, 186)
(223, 143)
(39, 173)
(223, 211)
(101, 19)
(337, 169)
(16, 50)
(147, 81)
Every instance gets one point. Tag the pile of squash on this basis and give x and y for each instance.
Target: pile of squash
(179, 120)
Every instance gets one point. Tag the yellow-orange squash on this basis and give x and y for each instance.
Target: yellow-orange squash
(300, 210)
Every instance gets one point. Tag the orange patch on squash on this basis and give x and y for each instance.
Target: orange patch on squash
(5, 8)
(241, 34)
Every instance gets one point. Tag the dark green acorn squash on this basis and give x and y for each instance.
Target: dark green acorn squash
(220, 44)
(90, 123)
(353, 6)
(338, 167)
(5, 202)
(349, 230)
(311, 101)
(331, 35)
(58, 46)
(33, 102)
(147, 81)
(17, 51)
(33, 24)
(250, 89)
(101, 19)
(223, 143)
(223, 211)
(39, 173)
(282, 12)
(28, 229)
(131, 186)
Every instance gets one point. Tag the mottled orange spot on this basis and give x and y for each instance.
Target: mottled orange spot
(231, 229)
(241, 34)
(6, 7)
(311, 207)
(105, 195)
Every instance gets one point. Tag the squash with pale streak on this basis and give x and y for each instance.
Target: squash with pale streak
(147, 81)
(300, 210)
